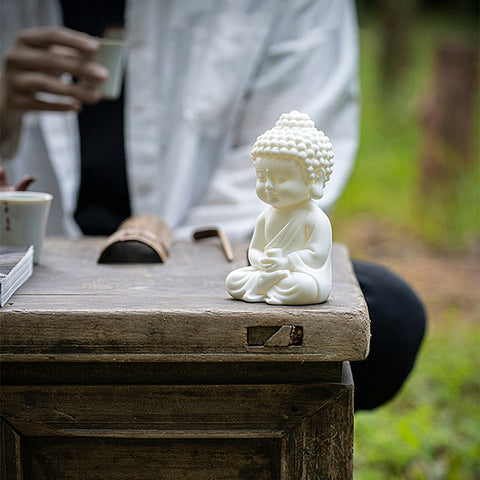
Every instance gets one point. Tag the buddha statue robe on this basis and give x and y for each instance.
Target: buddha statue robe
(304, 240)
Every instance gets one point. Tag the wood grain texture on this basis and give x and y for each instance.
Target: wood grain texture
(321, 446)
(152, 372)
(285, 432)
(170, 373)
(174, 311)
(150, 459)
(167, 411)
(11, 465)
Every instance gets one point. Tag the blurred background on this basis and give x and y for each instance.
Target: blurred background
(413, 204)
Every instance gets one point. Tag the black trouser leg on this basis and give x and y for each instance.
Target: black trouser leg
(398, 323)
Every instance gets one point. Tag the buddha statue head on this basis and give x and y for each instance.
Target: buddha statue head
(294, 137)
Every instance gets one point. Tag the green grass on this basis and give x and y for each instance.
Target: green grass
(431, 430)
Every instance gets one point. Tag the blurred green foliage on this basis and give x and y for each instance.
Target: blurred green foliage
(385, 181)
(431, 429)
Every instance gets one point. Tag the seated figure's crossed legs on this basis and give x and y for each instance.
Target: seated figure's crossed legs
(276, 287)
(292, 288)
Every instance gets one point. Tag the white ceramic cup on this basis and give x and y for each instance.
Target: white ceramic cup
(23, 219)
(112, 54)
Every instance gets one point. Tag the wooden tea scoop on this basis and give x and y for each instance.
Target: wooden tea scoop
(216, 232)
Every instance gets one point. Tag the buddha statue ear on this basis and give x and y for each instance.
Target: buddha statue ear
(317, 190)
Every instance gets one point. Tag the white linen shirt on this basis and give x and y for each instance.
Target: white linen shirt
(200, 88)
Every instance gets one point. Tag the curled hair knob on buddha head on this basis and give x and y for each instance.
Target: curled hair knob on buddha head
(295, 136)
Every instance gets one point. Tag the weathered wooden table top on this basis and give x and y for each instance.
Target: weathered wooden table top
(180, 310)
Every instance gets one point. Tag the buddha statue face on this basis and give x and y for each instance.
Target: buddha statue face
(281, 182)
(295, 139)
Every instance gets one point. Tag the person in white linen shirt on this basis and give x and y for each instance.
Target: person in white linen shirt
(204, 78)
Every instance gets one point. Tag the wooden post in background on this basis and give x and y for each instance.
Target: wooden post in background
(447, 116)
(395, 50)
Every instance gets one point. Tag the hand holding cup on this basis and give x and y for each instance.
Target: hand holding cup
(36, 65)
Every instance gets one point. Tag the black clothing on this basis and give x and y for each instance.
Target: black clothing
(93, 16)
(398, 323)
(103, 199)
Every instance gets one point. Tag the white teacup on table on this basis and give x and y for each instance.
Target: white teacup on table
(23, 219)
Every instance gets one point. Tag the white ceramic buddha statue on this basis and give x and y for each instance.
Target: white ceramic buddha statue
(290, 251)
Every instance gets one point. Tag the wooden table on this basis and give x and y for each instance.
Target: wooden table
(153, 372)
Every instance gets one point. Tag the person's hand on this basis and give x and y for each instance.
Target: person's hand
(36, 63)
